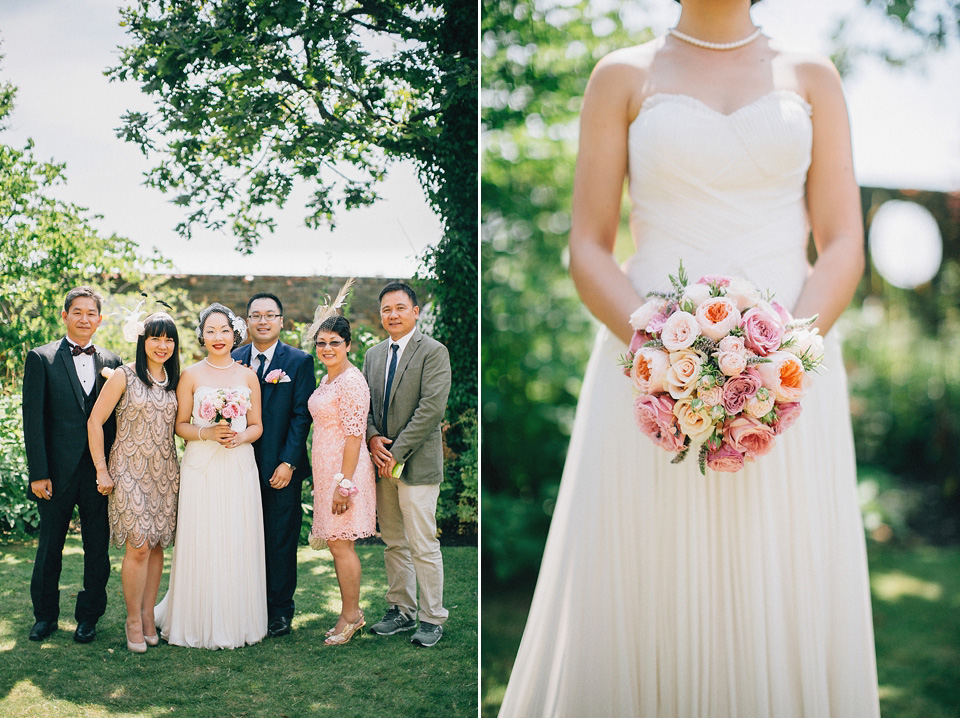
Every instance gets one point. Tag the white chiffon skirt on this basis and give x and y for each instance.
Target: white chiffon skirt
(665, 593)
(217, 596)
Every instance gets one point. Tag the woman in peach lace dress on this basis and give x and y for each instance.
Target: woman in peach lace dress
(344, 487)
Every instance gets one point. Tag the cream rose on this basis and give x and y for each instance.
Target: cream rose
(696, 294)
(649, 370)
(760, 404)
(695, 424)
(679, 331)
(805, 341)
(732, 344)
(682, 375)
(742, 293)
(642, 316)
(717, 316)
(731, 363)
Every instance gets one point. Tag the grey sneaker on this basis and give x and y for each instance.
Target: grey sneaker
(393, 621)
(427, 634)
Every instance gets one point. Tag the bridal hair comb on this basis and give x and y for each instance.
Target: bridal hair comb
(326, 311)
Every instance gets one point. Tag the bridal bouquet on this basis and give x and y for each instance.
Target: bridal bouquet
(223, 405)
(718, 364)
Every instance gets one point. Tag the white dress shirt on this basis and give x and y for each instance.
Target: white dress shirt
(402, 343)
(267, 353)
(86, 371)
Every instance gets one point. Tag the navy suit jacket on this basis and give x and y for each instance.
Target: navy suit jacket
(286, 420)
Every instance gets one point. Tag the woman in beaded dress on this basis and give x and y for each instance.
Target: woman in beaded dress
(141, 476)
(344, 485)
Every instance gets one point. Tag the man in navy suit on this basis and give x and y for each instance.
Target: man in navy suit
(61, 382)
(286, 383)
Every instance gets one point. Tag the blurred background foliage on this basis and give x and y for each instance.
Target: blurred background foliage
(901, 346)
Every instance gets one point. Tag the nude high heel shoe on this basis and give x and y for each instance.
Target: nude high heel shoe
(338, 639)
(134, 647)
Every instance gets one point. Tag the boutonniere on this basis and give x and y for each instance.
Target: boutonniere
(277, 376)
(107, 372)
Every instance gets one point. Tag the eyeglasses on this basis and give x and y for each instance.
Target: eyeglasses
(269, 316)
(336, 343)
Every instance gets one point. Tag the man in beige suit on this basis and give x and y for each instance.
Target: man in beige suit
(409, 379)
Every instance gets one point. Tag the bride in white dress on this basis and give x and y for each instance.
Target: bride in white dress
(217, 594)
(663, 592)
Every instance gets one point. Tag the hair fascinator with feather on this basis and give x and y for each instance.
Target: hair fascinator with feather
(325, 312)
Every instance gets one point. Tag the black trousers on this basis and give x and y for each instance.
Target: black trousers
(55, 514)
(282, 516)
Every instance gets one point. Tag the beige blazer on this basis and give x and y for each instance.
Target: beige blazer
(418, 401)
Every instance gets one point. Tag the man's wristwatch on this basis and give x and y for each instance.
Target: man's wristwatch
(289, 465)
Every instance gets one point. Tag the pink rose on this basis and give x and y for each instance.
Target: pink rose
(732, 344)
(737, 390)
(786, 416)
(784, 376)
(654, 416)
(731, 363)
(725, 458)
(656, 322)
(720, 280)
(717, 316)
(763, 331)
(650, 370)
(748, 435)
(710, 396)
(679, 331)
(638, 339)
(229, 411)
(682, 375)
(642, 316)
(784, 315)
(207, 410)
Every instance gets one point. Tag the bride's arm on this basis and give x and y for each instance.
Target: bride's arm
(597, 190)
(254, 426)
(833, 200)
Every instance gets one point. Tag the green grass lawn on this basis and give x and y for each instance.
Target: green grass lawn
(291, 676)
(916, 614)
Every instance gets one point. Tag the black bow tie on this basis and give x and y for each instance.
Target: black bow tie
(77, 350)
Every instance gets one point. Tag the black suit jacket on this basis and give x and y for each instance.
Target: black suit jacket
(286, 419)
(54, 419)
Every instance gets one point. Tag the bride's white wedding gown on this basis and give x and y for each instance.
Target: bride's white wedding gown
(218, 588)
(666, 593)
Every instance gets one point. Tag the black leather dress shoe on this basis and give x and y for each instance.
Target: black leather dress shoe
(279, 626)
(86, 631)
(42, 629)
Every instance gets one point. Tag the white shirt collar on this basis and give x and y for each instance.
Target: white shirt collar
(73, 343)
(403, 341)
(269, 352)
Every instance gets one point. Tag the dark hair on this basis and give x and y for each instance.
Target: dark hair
(82, 292)
(399, 287)
(218, 308)
(159, 324)
(265, 295)
(338, 325)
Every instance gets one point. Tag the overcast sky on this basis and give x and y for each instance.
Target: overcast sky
(906, 133)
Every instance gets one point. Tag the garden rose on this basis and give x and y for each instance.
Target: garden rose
(656, 323)
(806, 341)
(731, 363)
(786, 416)
(694, 423)
(763, 331)
(207, 410)
(642, 316)
(737, 390)
(717, 316)
(679, 331)
(720, 280)
(742, 293)
(760, 405)
(649, 370)
(230, 411)
(725, 458)
(682, 375)
(748, 435)
(781, 311)
(654, 416)
(711, 396)
(696, 294)
(784, 376)
(732, 344)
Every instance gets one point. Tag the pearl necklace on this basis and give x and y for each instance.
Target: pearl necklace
(232, 362)
(156, 381)
(715, 45)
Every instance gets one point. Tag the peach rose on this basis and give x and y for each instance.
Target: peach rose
(725, 458)
(732, 344)
(717, 316)
(784, 376)
(761, 404)
(731, 363)
(654, 416)
(682, 375)
(763, 331)
(679, 331)
(748, 435)
(650, 370)
(694, 423)
(642, 316)
(711, 396)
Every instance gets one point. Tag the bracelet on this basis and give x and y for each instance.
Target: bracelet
(200, 433)
(99, 461)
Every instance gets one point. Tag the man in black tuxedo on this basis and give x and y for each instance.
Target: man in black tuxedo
(286, 383)
(61, 382)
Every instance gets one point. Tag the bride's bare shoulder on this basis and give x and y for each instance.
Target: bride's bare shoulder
(816, 78)
(620, 76)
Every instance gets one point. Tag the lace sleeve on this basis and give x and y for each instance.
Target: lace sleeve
(353, 397)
